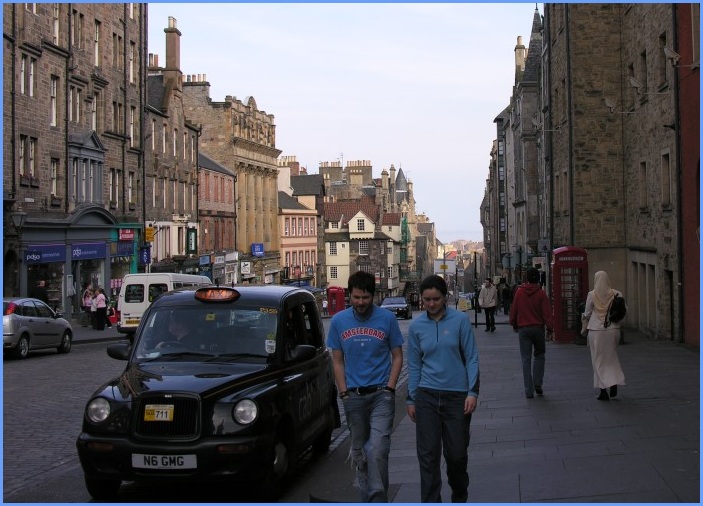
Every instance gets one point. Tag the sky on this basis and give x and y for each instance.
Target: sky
(414, 85)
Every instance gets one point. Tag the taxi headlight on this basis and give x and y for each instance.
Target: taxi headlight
(245, 411)
(98, 410)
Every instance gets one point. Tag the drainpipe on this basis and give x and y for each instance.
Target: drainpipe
(13, 94)
(143, 43)
(572, 231)
(66, 91)
(679, 215)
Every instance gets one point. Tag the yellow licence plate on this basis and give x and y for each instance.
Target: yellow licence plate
(158, 413)
(132, 321)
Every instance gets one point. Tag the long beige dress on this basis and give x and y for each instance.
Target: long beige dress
(603, 343)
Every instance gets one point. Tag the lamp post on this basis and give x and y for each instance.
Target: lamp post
(518, 263)
(19, 217)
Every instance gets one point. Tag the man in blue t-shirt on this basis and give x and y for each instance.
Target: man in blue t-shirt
(367, 353)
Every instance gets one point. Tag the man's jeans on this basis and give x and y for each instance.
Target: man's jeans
(532, 373)
(442, 427)
(370, 422)
(490, 317)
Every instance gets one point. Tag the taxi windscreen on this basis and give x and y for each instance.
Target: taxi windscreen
(209, 332)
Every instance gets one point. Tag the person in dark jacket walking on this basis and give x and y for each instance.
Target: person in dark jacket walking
(530, 313)
(40, 292)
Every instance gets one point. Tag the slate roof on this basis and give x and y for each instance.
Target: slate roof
(155, 91)
(533, 64)
(312, 184)
(425, 228)
(208, 163)
(285, 201)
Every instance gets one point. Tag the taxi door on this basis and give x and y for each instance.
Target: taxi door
(309, 381)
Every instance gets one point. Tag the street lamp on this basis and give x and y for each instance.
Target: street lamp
(18, 219)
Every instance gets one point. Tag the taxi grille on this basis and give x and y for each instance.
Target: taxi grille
(186, 418)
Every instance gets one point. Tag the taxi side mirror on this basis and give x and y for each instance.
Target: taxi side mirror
(303, 352)
(119, 351)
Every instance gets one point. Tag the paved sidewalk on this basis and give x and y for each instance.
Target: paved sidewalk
(643, 446)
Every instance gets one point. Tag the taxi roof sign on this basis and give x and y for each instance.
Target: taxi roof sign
(216, 294)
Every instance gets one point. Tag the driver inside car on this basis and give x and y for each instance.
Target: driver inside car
(177, 332)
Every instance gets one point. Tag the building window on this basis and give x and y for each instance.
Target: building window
(132, 57)
(666, 180)
(153, 135)
(53, 176)
(360, 224)
(334, 224)
(390, 271)
(185, 144)
(132, 118)
(31, 8)
(77, 29)
(390, 249)
(333, 248)
(97, 43)
(130, 188)
(27, 73)
(164, 134)
(286, 227)
(175, 142)
(642, 180)
(112, 187)
(662, 63)
(117, 121)
(333, 272)
(363, 247)
(94, 107)
(53, 98)
(55, 25)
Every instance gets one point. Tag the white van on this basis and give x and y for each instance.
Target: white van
(139, 291)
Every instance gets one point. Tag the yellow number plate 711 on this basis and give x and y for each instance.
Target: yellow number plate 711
(158, 413)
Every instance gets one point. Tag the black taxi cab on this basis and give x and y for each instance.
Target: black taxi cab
(221, 383)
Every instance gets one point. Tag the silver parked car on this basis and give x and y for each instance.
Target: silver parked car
(29, 324)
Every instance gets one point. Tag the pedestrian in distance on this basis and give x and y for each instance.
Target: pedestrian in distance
(100, 309)
(487, 299)
(603, 341)
(367, 355)
(324, 307)
(39, 291)
(443, 388)
(86, 297)
(530, 314)
(507, 296)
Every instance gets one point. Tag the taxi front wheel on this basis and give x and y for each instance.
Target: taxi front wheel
(102, 489)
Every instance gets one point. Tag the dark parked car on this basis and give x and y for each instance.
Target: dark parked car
(29, 324)
(220, 384)
(399, 306)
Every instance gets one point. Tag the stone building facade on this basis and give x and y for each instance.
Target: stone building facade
(73, 92)
(242, 138)
(171, 168)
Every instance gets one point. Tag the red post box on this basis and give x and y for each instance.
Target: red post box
(335, 300)
(569, 291)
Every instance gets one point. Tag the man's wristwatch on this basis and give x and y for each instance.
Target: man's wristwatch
(344, 394)
(390, 389)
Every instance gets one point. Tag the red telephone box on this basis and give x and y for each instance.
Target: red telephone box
(569, 291)
(335, 300)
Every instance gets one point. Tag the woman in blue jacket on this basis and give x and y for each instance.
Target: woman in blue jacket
(443, 385)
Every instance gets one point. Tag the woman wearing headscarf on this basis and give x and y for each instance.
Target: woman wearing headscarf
(602, 340)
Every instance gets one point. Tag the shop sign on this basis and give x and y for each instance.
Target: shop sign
(205, 260)
(126, 234)
(149, 234)
(145, 255)
(124, 249)
(45, 253)
(86, 251)
(220, 259)
(246, 267)
(257, 249)
(191, 241)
